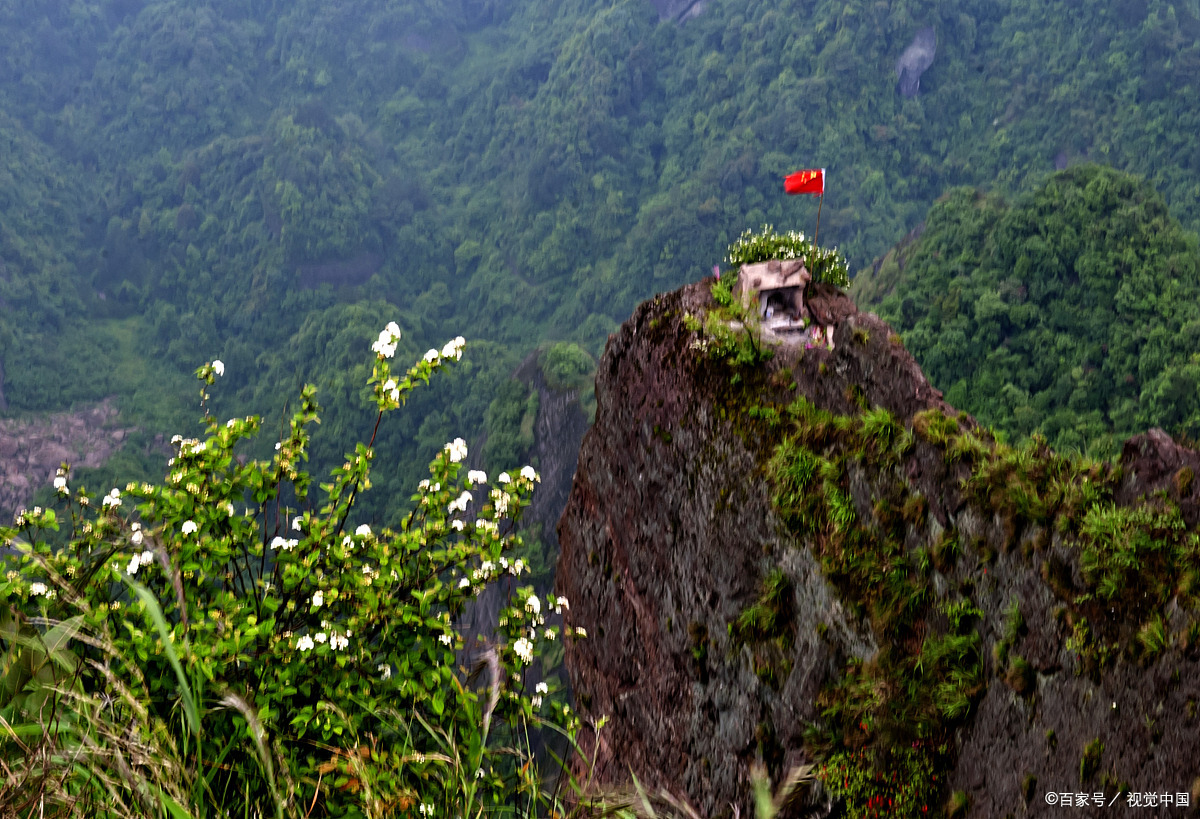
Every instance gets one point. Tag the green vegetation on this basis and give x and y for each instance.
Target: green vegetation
(1089, 763)
(825, 264)
(928, 671)
(248, 178)
(1072, 314)
(768, 626)
(232, 639)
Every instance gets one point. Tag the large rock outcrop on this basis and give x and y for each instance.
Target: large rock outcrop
(672, 527)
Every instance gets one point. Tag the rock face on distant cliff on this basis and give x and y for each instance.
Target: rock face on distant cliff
(814, 559)
(678, 10)
(31, 450)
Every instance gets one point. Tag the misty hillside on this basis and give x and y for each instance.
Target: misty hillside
(268, 183)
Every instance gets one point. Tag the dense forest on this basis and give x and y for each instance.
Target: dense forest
(1073, 313)
(268, 183)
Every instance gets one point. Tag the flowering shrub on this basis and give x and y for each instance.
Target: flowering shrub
(230, 639)
(825, 264)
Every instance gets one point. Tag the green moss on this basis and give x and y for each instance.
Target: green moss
(1019, 676)
(768, 627)
(1089, 763)
(1152, 636)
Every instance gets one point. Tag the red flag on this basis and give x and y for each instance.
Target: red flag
(808, 181)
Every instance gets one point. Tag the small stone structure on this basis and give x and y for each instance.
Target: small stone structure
(778, 286)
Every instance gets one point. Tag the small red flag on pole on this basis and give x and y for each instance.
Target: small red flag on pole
(807, 181)
(811, 180)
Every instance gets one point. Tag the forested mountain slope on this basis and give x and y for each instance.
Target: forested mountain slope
(262, 182)
(1073, 312)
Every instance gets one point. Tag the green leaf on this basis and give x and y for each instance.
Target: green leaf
(160, 622)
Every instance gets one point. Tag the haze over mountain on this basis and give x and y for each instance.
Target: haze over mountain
(269, 183)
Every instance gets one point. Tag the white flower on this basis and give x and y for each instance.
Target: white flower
(479, 773)
(134, 564)
(580, 631)
(532, 604)
(364, 530)
(305, 643)
(536, 702)
(453, 349)
(283, 543)
(146, 557)
(542, 688)
(464, 583)
(550, 634)
(457, 525)
(560, 604)
(476, 476)
(219, 366)
(500, 502)
(338, 642)
(431, 355)
(298, 523)
(528, 473)
(392, 390)
(37, 589)
(322, 636)
(423, 485)
(137, 537)
(385, 671)
(385, 345)
(227, 508)
(457, 449)
(318, 599)
(189, 527)
(426, 809)
(112, 499)
(60, 485)
(460, 504)
(504, 478)
(446, 639)
(524, 649)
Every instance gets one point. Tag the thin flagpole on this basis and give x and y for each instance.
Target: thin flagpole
(819, 204)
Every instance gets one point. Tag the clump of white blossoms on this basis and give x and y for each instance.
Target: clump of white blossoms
(476, 476)
(60, 483)
(189, 527)
(457, 449)
(453, 349)
(112, 499)
(218, 366)
(144, 559)
(305, 643)
(459, 505)
(282, 543)
(524, 649)
(385, 345)
(318, 599)
(38, 589)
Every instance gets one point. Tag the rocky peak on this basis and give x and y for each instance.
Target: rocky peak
(814, 560)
